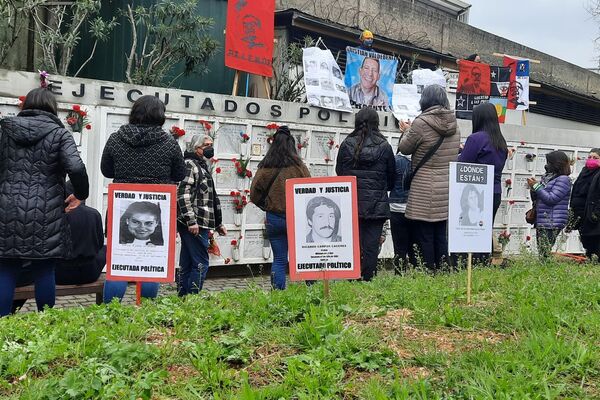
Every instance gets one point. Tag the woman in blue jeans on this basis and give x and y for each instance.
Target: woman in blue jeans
(141, 152)
(268, 191)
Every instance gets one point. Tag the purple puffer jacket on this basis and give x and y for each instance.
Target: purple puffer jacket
(552, 203)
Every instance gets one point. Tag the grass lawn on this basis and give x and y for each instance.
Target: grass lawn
(532, 332)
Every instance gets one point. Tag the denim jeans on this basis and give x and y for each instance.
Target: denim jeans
(193, 261)
(43, 276)
(277, 231)
(117, 289)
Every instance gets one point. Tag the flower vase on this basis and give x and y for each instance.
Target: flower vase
(244, 148)
(266, 252)
(237, 219)
(530, 166)
(235, 254)
(505, 219)
(241, 183)
(304, 153)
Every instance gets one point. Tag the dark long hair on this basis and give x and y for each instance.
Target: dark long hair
(485, 119)
(282, 152)
(41, 99)
(557, 162)
(366, 123)
(147, 110)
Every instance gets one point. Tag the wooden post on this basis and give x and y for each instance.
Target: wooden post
(236, 80)
(523, 118)
(267, 88)
(469, 273)
(138, 293)
(326, 288)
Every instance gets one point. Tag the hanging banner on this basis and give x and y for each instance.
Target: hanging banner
(405, 102)
(324, 81)
(141, 232)
(473, 78)
(249, 36)
(370, 78)
(322, 228)
(481, 83)
(471, 198)
(425, 77)
(518, 94)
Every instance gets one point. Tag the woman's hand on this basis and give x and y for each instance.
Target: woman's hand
(531, 182)
(221, 230)
(404, 126)
(72, 203)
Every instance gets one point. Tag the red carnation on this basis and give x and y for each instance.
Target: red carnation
(82, 113)
(237, 193)
(527, 238)
(227, 260)
(76, 107)
(71, 120)
(236, 201)
(241, 237)
(88, 127)
(218, 170)
(243, 198)
(21, 98)
(299, 146)
(234, 159)
(246, 191)
(327, 159)
(232, 193)
(522, 143)
(239, 170)
(234, 242)
(508, 181)
(244, 203)
(249, 173)
(511, 202)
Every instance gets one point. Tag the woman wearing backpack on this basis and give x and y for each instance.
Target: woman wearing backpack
(551, 199)
(281, 163)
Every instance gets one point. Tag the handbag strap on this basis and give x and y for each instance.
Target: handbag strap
(268, 188)
(428, 155)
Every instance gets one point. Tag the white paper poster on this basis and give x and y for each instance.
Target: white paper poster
(425, 77)
(324, 80)
(405, 102)
(470, 208)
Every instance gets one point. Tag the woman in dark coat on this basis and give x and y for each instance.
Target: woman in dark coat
(367, 155)
(585, 205)
(141, 152)
(36, 152)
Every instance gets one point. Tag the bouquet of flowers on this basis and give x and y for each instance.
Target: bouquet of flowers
(213, 247)
(177, 132)
(207, 126)
(302, 142)
(77, 119)
(504, 238)
(244, 137)
(241, 167)
(272, 128)
(240, 200)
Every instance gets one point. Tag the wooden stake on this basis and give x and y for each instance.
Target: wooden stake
(236, 80)
(523, 118)
(517, 57)
(326, 288)
(267, 88)
(138, 293)
(469, 273)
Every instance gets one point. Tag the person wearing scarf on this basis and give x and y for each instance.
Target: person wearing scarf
(551, 199)
(585, 205)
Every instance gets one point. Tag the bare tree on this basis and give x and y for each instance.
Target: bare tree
(11, 23)
(287, 83)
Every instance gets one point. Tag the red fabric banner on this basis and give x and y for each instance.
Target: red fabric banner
(473, 78)
(249, 36)
(512, 94)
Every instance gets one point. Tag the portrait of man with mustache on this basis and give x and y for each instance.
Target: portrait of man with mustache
(323, 216)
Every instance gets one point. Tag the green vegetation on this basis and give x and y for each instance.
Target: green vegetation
(533, 332)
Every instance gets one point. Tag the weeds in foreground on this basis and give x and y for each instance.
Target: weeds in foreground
(533, 331)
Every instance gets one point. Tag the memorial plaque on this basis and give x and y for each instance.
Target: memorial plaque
(517, 240)
(224, 243)
(254, 215)
(320, 170)
(320, 148)
(227, 179)
(502, 217)
(517, 213)
(520, 187)
(228, 139)
(194, 127)
(227, 208)
(258, 139)
(253, 244)
(7, 110)
(540, 160)
(521, 163)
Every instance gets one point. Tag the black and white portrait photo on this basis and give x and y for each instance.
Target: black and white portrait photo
(471, 203)
(323, 220)
(141, 225)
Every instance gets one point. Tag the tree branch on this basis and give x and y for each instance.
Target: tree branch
(133, 44)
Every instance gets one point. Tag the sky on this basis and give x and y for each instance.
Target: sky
(561, 28)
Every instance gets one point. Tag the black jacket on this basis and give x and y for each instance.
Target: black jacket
(36, 152)
(374, 171)
(142, 154)
(585, 203)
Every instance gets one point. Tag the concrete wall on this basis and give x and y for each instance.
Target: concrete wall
(424, 26)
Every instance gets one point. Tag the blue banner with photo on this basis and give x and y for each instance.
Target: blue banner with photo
(370, 78)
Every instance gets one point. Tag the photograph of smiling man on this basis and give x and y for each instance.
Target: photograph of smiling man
(370, 78)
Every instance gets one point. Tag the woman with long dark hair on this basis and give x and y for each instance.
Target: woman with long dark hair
(366, 154)
(486, 145)
(433, 140)
(36, 152)
(551, 199)
(281, 163)
(585, 207)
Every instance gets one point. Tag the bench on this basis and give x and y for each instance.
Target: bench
(97, 288)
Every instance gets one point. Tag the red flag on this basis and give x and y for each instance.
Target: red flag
(473, 78)
(249, 36)
(512, 94)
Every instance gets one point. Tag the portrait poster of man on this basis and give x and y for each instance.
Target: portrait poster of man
(322, 228)
(518, 92)
(324, 81)
(141, 232)
(473, 78)
(470, 208)
(370, 78)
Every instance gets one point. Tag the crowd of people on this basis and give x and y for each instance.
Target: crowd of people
(49, 236)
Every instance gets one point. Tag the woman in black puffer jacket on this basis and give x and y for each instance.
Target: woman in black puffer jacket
(367, 155)
(36, 152)
(141, 152)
